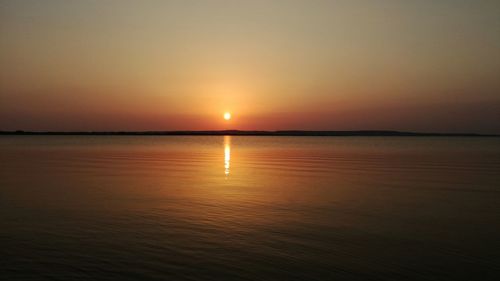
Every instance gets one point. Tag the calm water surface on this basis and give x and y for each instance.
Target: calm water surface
(249, 208)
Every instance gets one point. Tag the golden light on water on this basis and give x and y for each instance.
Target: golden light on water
(227, 154)
(227, 116)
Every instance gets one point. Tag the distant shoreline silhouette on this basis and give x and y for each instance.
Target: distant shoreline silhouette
(367, 133)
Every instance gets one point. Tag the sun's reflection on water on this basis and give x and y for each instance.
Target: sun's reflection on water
(227, 154)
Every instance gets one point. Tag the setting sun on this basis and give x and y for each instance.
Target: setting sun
(358, 126)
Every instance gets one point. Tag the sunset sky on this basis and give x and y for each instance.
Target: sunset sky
(308, 65)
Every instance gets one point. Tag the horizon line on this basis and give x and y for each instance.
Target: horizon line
(250, 133)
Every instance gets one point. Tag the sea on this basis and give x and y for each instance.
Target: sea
(249, 208)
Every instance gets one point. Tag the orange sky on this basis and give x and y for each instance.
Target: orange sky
(311, 65)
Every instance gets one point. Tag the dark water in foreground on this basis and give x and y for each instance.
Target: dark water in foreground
(249, 208)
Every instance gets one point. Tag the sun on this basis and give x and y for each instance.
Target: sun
(227, 116)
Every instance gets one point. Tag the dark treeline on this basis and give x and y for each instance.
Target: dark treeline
(248, 133)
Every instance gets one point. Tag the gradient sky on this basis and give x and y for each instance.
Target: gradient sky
(311, 65)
